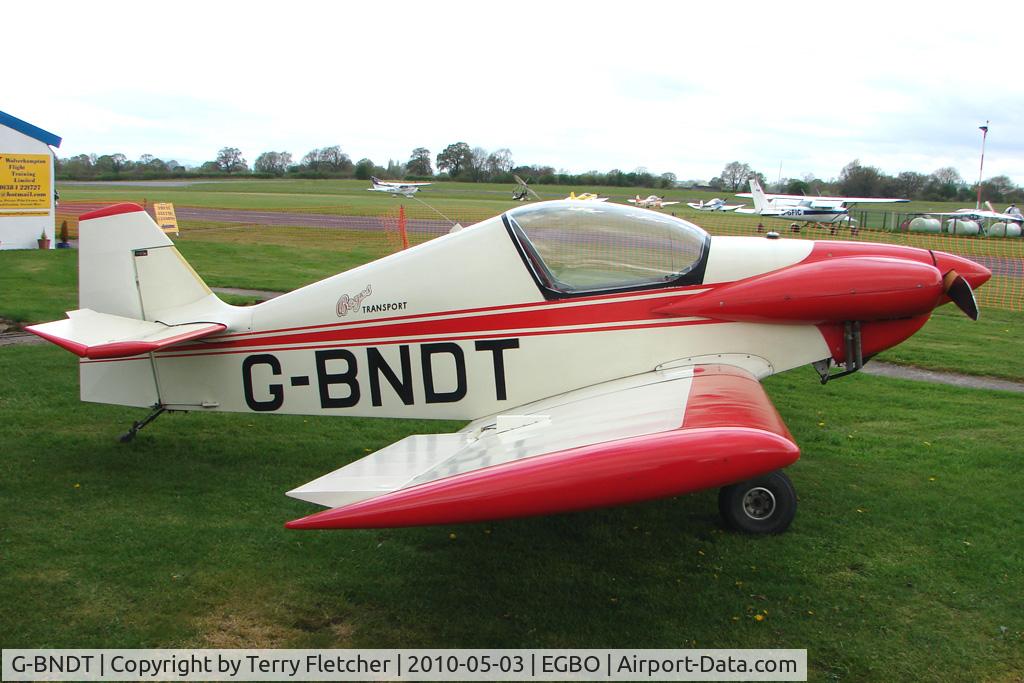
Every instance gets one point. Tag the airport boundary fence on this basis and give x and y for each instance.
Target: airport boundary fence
(402, 225)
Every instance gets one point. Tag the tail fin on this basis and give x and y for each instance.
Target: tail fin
(136, 294)
(127, 266)
(760, 201)
(375, 180)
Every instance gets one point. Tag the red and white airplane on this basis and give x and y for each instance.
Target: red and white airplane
(604, 354)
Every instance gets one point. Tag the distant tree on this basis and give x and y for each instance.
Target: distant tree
(944, 184)
(667, 180)
(796, 186)
(209, 168)
(364, 169)
(948, 175)
(908, 185)
(395, 169)
(499, 162)
(229, 160)
(998, 189)
(76, 167)
(477, 167)
(456, 158)
(857, 180)
(333, 160)
(273, 163)
(735, 175)
(419, 163)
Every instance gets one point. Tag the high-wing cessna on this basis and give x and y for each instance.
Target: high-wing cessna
(652, 201)
(798, 208)
(604, 354)
(715, 204)
(406, 189)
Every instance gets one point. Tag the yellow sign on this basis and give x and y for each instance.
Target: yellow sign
(165, 217)
(25, 181)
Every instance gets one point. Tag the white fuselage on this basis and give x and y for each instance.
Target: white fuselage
(452, 328)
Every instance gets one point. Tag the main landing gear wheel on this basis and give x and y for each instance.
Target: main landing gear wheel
(764, 505)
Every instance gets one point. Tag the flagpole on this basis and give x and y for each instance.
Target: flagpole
(984, 134)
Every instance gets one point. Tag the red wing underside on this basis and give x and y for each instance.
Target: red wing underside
(665, 433)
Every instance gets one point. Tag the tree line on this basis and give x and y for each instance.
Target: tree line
(460, 161)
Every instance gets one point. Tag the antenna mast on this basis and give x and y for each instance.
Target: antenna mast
(984, 134)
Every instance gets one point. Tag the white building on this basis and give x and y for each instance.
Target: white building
(27, 188)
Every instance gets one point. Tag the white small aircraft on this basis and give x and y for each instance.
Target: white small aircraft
(397, 188)
(799, 208)
(585, 197)
(715, 204)
(603, 354)
(523, 192)
(1011, 215)
(652, 201)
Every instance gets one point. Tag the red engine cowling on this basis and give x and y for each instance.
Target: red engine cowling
(860, 288)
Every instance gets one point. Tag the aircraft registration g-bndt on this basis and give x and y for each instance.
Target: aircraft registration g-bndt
(605, 354)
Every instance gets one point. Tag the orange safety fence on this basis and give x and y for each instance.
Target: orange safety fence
(373, 236)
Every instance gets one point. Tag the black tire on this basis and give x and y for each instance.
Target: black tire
(763, 505)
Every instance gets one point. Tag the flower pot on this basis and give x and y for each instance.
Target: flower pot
(44, 243)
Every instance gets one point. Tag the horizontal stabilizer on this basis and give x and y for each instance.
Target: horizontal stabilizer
(93, 335)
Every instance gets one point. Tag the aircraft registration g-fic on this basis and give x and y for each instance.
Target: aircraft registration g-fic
(604, 354)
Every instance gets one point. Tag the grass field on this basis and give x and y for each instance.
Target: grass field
(904, 563)
(350, 197)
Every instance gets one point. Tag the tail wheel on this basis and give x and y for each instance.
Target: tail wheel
(764, 505)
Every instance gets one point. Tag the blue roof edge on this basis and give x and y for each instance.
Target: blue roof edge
(28, 129)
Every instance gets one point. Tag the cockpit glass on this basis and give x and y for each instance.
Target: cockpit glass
(576, 247)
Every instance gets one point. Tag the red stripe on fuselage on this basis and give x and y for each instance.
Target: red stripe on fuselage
(420, 340)
(599, 312)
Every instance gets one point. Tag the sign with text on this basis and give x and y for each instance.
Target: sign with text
(25, 182)
(165, 218)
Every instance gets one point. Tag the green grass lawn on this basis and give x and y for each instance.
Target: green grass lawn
(904, 562)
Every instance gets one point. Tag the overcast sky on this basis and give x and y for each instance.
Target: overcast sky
(680, 87)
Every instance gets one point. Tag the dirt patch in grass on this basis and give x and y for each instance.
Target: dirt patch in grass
(232, 629)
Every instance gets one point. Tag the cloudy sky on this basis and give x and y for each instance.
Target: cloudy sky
(680, 87)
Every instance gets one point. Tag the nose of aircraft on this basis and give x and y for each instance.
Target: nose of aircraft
(972, 271)
(960, 277)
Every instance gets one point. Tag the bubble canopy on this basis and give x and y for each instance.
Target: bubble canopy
(578, 248)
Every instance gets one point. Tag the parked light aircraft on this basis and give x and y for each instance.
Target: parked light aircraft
(798, 208)
(715, 204)
(398, 188)
(585, 197)
(983, 215)
(523, 192)
(652, 201)
(604, 354)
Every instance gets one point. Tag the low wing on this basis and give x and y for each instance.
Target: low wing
(668, 203)
(664, 433)
(89, 334)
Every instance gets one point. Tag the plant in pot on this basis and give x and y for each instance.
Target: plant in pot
(44, 241)
(64, 244)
